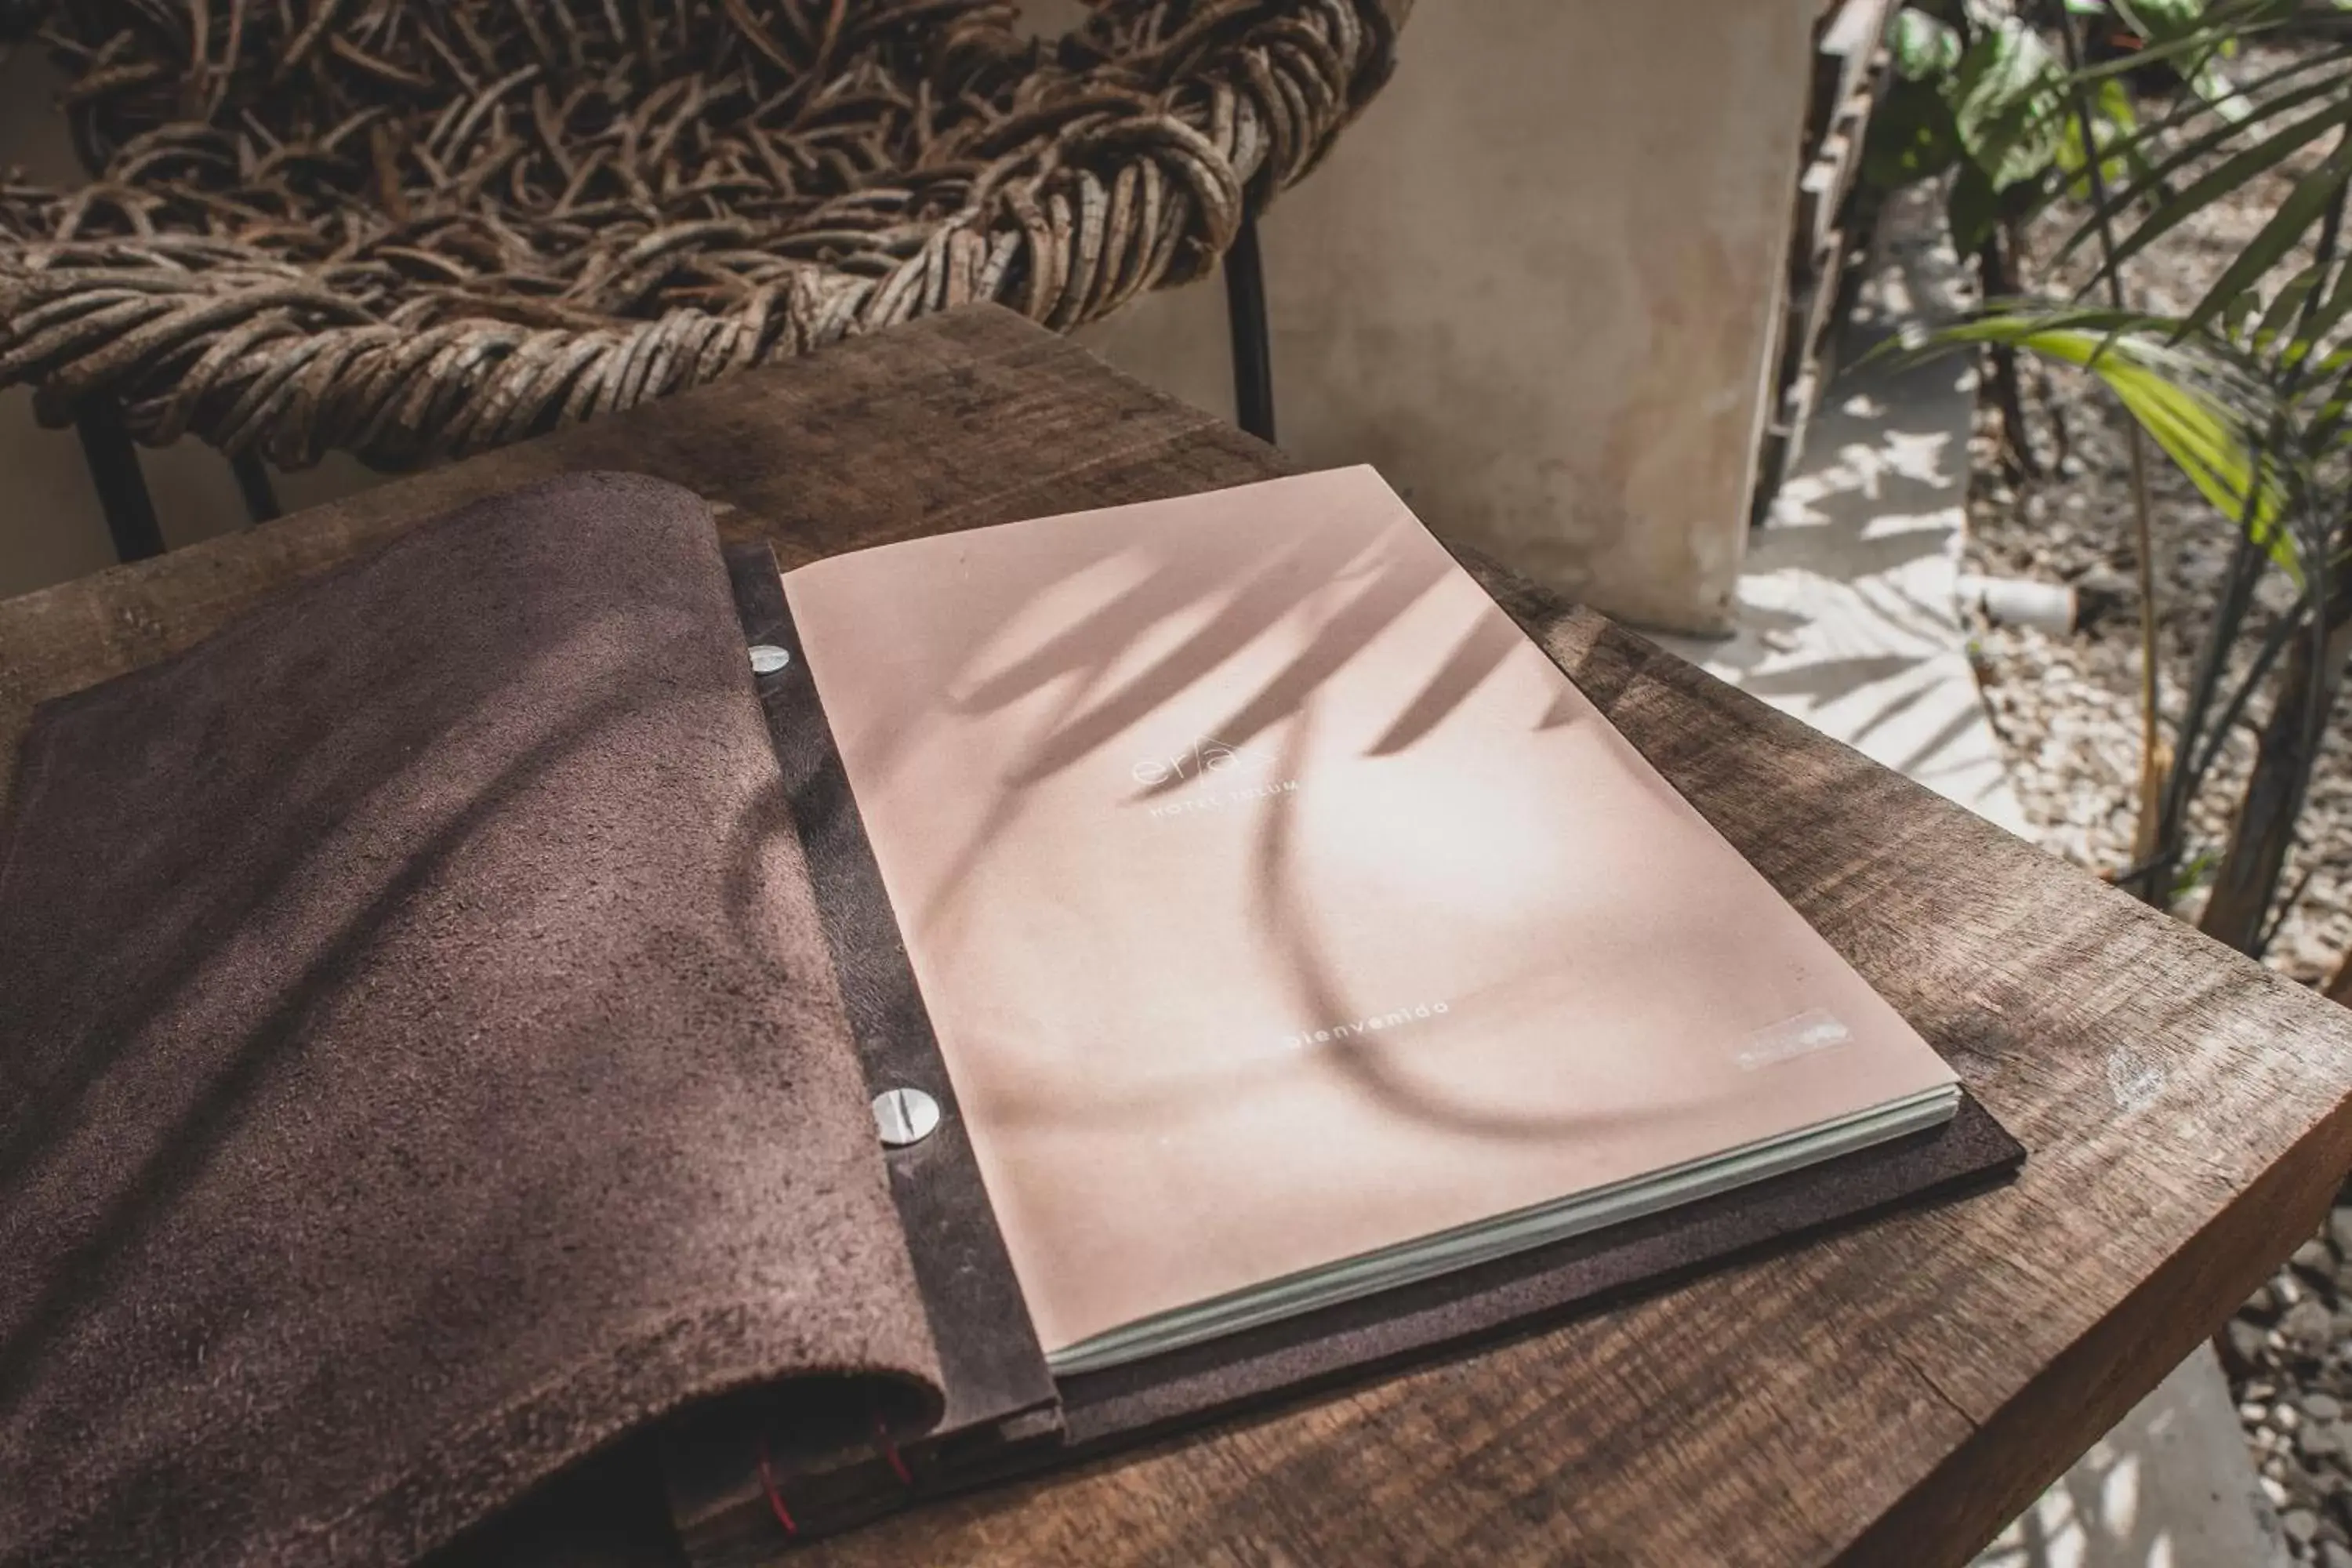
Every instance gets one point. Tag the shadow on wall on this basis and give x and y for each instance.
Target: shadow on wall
(1848, 613)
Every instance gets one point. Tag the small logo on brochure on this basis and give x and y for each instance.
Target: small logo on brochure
(1371, 1022)
(1238, 768)
(1791, 1037)
(1204, 756)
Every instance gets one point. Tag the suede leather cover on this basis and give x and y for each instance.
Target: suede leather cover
(420, 1059)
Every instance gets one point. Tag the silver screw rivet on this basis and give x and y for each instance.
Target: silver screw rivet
(905, 1115)
(767, 658)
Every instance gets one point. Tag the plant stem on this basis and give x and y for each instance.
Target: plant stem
(2288, 750)
(2248, 874)
(2292, 624)
(1992, 273)
(2152, 748)
(2154, 758)
(2194, 750)
(2153, 887)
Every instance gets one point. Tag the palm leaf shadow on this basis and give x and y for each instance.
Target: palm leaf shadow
(1362, 1061)
(1255, 609)
(1328, 554)
(1485, 645)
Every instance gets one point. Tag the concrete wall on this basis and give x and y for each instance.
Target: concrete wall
(1533, 285)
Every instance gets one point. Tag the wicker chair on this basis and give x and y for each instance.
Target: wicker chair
(412, 229)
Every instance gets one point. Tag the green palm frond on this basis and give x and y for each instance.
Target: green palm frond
(2206, 403)
(2302, 210)
(2330, 109)
(2183, 162)
(2186, 34)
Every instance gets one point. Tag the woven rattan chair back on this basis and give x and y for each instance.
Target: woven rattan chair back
(419, 228)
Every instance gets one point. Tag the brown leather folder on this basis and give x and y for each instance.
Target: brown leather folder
(438, 1015)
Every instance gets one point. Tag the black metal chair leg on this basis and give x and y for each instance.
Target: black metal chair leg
(253, 483)
(121, 484)
(1246, 314)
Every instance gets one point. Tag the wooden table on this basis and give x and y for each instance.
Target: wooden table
(1894, 1394)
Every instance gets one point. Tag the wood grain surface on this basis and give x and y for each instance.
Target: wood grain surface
(1892, 1394)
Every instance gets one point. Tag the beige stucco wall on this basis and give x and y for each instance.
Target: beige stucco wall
(1533, 285)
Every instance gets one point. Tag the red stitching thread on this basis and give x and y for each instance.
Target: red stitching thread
(775, 1500)
(890, 1452)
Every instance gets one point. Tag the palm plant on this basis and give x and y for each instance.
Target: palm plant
(1978, 95)
(2247, 393)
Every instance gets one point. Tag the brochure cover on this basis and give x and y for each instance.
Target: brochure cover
(1292, 927)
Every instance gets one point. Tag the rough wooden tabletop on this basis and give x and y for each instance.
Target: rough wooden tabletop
(1894, 1394)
